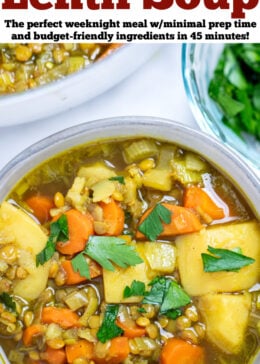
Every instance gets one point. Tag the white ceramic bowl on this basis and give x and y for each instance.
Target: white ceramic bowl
(76, 88)
(223, 158)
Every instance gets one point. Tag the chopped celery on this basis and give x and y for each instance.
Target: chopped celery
(139, 149)
(185, 175)
(165, 157)
(75, 63)
(76, 299)
(194, 162)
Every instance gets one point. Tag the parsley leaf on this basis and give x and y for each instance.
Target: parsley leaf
(174, 297)
(224, 260)
(107, 250)
(168, 295)
(108, 330)
(152, 227)
(173, 314)
(59, 231)
(137, 289)
(46, 253)
(120, 179)
(80, 265)
(156, 294)
(7, 300)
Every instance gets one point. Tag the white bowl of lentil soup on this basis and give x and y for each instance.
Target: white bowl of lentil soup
(129, 246)
(38, 80)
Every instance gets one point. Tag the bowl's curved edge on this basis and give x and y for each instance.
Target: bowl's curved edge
(235, 168)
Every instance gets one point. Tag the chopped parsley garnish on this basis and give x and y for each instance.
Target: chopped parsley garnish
(174, 298)
(59, 231)
(152, 226)
(119, 179)
(164, 292)
(7, 300)
(106, 250)
(137, 288)
(156, 294)
(108, 330)
(168, 294)
(80, 265)
(224, 260)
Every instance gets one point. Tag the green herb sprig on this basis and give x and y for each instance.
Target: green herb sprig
(152, 226)
(106, 250)
(119, 179)
(224, 260)
(8, 301)
(235, 87)
(59, 231)
(108, 330)
(164, 292)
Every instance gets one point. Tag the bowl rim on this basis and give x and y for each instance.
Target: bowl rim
(163, 129)
(204, 118)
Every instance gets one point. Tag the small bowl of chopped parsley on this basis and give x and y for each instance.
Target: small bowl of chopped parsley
(222, 82)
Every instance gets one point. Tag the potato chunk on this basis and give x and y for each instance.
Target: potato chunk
(95, 173)
(226, 318)
(18, 227)
(195, 281)
(159, 179)
(159, 258)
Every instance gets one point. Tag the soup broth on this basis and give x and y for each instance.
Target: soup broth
(128, 251)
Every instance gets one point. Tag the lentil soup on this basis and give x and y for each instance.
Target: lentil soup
(26, 66)
(128, 251)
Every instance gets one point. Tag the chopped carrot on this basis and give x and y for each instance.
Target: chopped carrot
(131, 330)
(183, 221)
(119, 350)
(31, 332)
(81, 349)
(40, 206)
(54, 356)
(197, 198)
(114, 217)
(80, 226)
(117, 353)
(178, 351)
(64, 317)
(73, 277)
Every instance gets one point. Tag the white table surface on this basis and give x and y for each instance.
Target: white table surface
(155, 89)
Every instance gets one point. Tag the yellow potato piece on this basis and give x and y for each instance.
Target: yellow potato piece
(195, 281)
(159, 258)
(226, 318)
(102, 190)
(159, 179)
(18, 227)
(96, 172)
